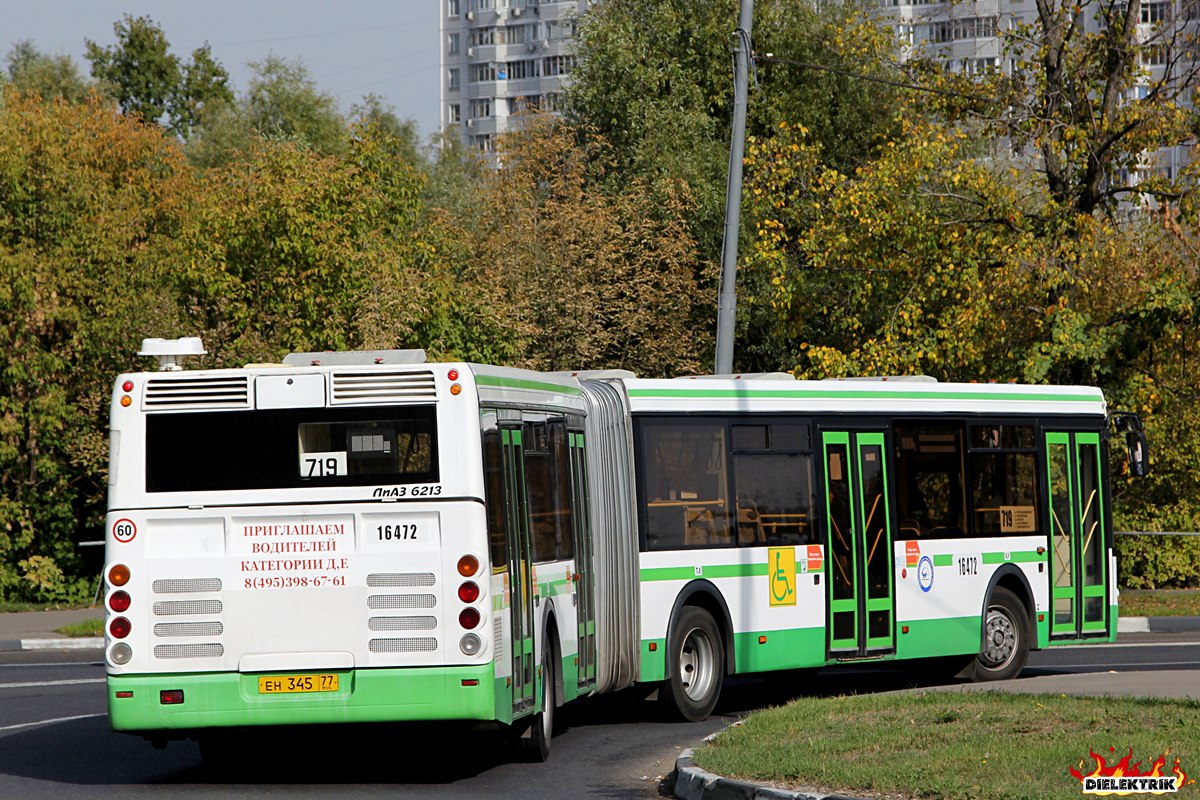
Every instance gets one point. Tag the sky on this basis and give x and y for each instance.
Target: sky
(351, 47)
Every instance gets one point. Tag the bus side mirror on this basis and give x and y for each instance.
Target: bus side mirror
(1139, 461)
(1135, 442)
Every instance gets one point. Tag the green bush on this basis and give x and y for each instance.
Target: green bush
(1158, 562)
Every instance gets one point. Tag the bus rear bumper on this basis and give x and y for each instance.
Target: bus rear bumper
(136, 703)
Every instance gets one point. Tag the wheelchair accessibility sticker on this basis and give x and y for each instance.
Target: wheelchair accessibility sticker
(781, 575)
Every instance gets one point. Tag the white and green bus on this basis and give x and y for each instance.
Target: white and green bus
(366, 537)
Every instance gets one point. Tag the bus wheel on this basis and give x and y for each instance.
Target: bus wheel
(695, 665)
(1005, 638)
(536, 746)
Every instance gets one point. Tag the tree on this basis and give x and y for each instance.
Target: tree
(586, 277)
(34, 72)
(282, 103)
(654, 79)
(943, 257)
(90, 208)
(147, 80)
(204, 89)
(403, 138)
(1094, 99)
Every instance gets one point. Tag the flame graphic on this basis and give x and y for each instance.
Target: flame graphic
(1123, 769)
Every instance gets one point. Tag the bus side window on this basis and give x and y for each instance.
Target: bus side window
(548, 487)
(493, 484)
(1003, 464)
(773, 475)
(930, 480)
(685, 483)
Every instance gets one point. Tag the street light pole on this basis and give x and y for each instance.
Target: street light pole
(727, 302)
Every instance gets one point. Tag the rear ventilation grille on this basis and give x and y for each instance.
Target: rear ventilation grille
(189, 651)
(197, 392)
(380, 601)
(187, 585)
(422, 645)
(400, 579)
(497, 636)
(375, 386)
(168, 629)
(174, 608)
(402, 623)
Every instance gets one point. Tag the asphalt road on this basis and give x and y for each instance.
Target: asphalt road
(55, 742)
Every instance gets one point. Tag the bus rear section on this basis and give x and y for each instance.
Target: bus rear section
(297, 545)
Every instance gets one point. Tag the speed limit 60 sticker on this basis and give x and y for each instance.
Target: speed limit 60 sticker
(124, 530)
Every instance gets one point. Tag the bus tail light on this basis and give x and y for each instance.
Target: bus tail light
(119, 602)
(470, 644)
(171, 697)
(120, 653)
(118, 575)
(468, 592)
(119, 627)
(468, 565)
(469, 618)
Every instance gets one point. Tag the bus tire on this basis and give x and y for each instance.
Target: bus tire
(695, 665)
(1005, 647)
(536, 746)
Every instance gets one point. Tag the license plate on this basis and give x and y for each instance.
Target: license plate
(297, 684)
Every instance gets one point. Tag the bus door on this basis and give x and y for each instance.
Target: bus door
(1078, 535)
(520, 568)
(859, 564)
(583, 577)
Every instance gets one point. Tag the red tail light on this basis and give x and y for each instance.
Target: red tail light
(119, 602)
(171, 697)
(468, 618)
(119, 628)
(468, 592)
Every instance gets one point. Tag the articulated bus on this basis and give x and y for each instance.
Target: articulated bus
(366, 537)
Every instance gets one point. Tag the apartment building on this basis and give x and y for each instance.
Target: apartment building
(502, 57)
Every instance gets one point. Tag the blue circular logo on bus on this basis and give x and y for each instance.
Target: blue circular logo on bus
(925, 573)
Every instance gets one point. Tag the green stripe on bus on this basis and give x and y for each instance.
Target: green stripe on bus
(938, 637)
(231, 699)
(836, 394)
(943, 560)
(524, 383)
(654, 665)
(705, 571)
(1014, 557)
(784, 649)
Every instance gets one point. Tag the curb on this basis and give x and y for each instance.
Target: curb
(693, 783)
(90, 643)
(1157, 624)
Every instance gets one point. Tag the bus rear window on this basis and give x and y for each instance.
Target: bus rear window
(292, 448)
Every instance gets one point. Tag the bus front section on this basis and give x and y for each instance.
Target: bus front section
(297, 544)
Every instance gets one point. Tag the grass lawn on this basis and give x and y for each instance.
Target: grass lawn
(1160, 602)
(981, 746)
(87, 627)
(12, 606)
